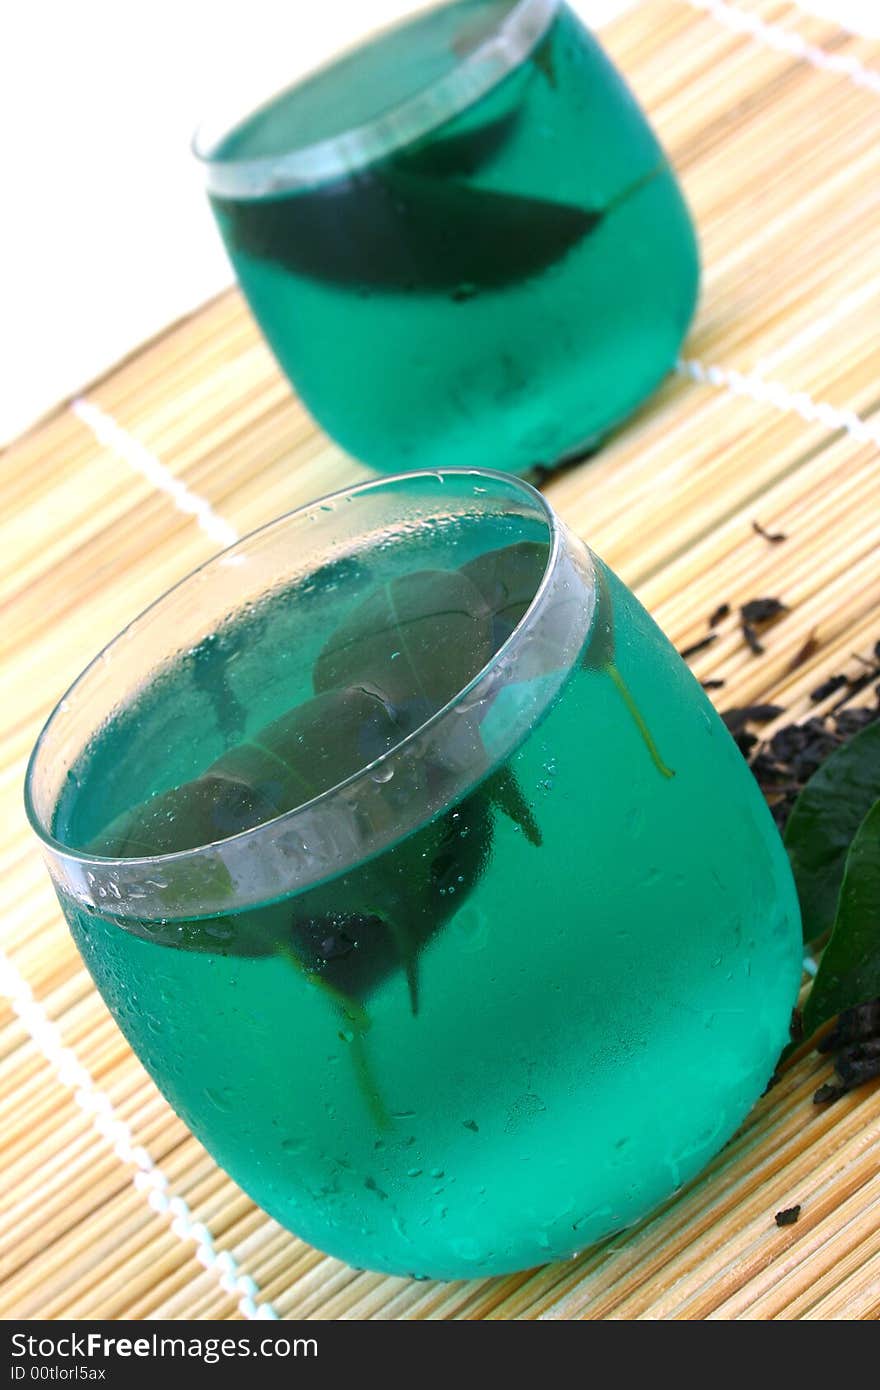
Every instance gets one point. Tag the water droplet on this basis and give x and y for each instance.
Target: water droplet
(466, 1248)
(219, 1099)
(219, 931)
(383, 774)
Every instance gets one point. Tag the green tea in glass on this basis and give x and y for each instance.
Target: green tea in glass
(424, 879)
(461, 239)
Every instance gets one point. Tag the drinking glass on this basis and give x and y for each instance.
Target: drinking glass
(423, 878)
(461, 238)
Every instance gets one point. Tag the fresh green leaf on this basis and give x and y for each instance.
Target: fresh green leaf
(823, 822)
(849, 972)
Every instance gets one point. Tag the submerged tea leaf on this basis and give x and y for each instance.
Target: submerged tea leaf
(508, 580)
(197, 813)
(404, 227)
(544, 59)
(393, 230)
(415, 641)
(377, 918)
(210, 668)
(419, 640)
(461, 155)
(354, 931)
(504, 791)
(308, 750)
(600, 649)
(600, 656)
(849, 971)
(823, 822)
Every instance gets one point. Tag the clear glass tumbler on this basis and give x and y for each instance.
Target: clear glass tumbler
(461, 238)
(423, 878)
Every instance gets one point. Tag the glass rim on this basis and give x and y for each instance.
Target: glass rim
(515, 36)
(78, 870)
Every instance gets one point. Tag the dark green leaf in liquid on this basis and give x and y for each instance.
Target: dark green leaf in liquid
(600, 656)
(823, 822)
(414, 223)
(544, 60)
(286, 764)
(509, 578)
(420, 639)
(849, 972)
(461, 155)
(308, 750)
(333, 933)
(211, 676)
(505, 794)
(416, 642)
(396, 231)
(404, 653)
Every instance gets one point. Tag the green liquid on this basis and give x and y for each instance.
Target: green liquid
(604, 972)
(499, 292)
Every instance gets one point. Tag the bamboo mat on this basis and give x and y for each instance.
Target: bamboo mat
(109, 1208)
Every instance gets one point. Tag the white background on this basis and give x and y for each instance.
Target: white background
(105, 235)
